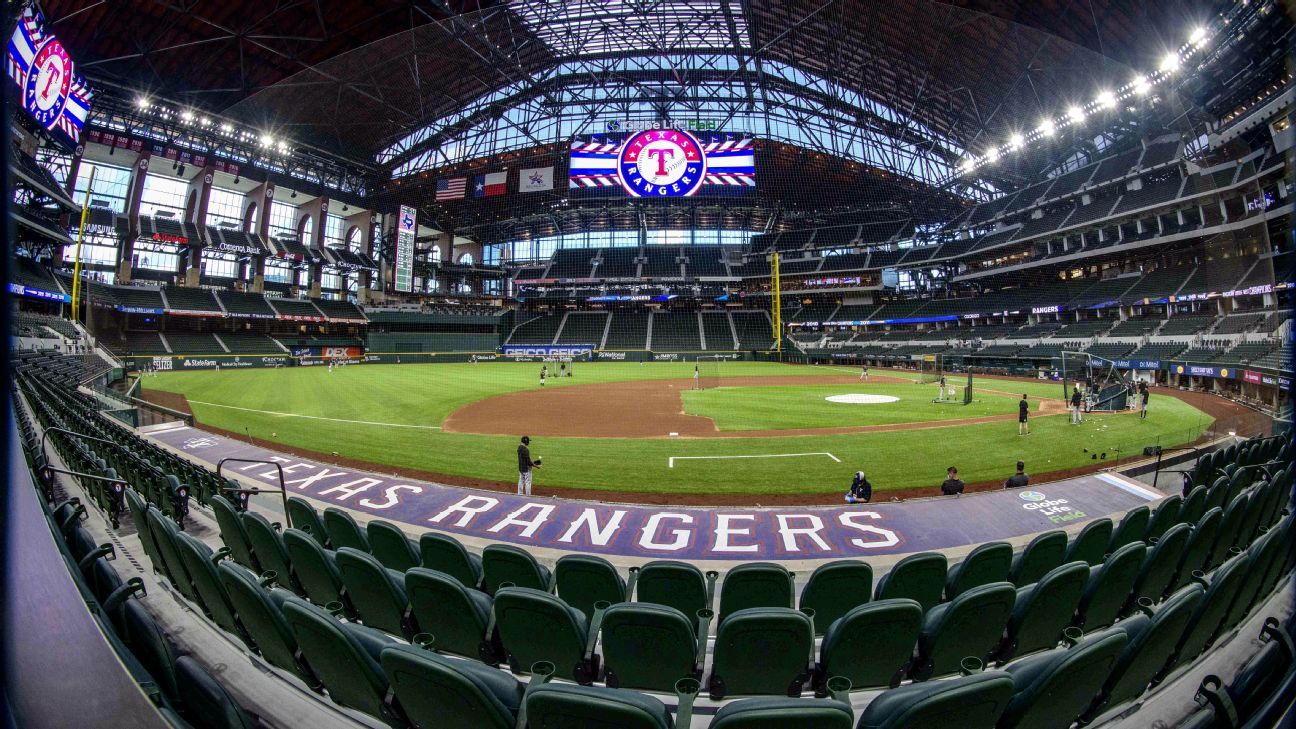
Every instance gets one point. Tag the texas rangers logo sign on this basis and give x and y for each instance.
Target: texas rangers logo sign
(48, 83)
(661, 163)
(53, 94)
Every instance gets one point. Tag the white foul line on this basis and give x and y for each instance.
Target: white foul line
(316, 417)
(672, 459)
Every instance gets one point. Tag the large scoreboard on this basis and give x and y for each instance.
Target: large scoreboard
(662, 163)
(406, 232)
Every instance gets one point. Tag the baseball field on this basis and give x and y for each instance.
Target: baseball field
(768, 429)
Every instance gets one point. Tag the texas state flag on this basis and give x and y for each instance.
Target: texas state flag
(496, 183)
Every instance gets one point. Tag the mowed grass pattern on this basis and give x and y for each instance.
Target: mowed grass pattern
(424, 394)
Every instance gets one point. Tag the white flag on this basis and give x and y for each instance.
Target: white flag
(536, 180)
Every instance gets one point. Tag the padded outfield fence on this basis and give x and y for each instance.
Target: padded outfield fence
(171, 362)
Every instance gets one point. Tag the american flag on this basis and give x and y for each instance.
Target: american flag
(451, 188)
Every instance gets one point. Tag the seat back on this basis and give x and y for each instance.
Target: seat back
(872, 644)
(1196, 553)
(537, 626)
(761, 651)
(345, 662)
(584, 579)
(165, 534)
(1090, 545)
(232, 533)
(377, 594)
(1043, 553)
(970, 702)
(563, 706)
(151, 647)
(755, 584)
(1159, 567)
(313, 567)
(258, 612)
(207, 705)
(505, 563)
(969, 625)
(1109, 587)
(990, 562)
(1194, 506)
(918, 577)
(304, 518)
(390, 546)
(450, 694)
(647, 646)
(1207, 620)
(1131, 528)
(1260, 556)
(783, 714)
(1043, 610)
(138, 511)
(1052, 689)
(1230, 526)
(835, 589)
(456, 615)
(675, 584)
(444, 553)
(268, 548)
(1167, 514)
(343, 531)
(1257, 504)
(197, 560)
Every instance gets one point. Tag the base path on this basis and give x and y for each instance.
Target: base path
(656, 532)
(654, 409)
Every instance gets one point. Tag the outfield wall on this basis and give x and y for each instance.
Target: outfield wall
(171, 362)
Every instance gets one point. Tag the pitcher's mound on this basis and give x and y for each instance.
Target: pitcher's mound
(858, 398)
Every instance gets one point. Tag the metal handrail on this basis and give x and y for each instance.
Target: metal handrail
(283, 488)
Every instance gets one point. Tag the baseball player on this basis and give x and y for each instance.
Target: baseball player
(697, 378)
(1023, 416)
(544, 372)
(1077, 412)
(940, 388)
(525, 464)
(864, 374)
(1144, 394)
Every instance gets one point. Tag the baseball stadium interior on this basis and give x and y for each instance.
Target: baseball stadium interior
(650, 364)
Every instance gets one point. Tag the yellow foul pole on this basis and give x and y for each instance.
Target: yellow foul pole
(76, 268)
(776, 301)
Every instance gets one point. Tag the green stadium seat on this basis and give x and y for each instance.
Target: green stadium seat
(1043, 610)
(761, 651)
(390, 546)
(445, 693)
(755, 585)
(444, 553)
(138, 511)
(1131, 528)
(343, 530)
(1165, 516)
(1260, 557)
(675, 584)
(583, 580)
(1109, 587)
(989, 562)
(1277, 570)
(871, 645)
(206, 704)
(1090, 544)
(346, 658)
(919, 577)
(505, 563)
(563, 706)
(1158, 568)
(1216, 493)
(151, 647)
(1051, 690)
(1045, 552)
(456, 615)
(535, 626)
(233, 533)
(1206, 620)
(260, 614)
(1194, 506)
(377, 593)
(969, 702)
(165, 535)
(648, 647)
(1230, 525)
(197, 558)
(316, 570)
(779, 713)
(970, 625)
(1151, 641)
(304, 517)
(268, 548)
(1196, 552)
(836, 588)
(1255, 694)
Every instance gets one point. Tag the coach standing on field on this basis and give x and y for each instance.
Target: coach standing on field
(525, 464)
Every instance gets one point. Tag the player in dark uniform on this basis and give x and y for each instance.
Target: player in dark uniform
(952, 486)
(1023, 416)
(1018, 480)
(1077, 415)
(1144, 394)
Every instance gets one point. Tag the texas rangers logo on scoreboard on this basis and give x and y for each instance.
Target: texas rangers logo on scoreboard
(661, 162)
(52, 92)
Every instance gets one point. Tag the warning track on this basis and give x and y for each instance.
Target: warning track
(653, 409)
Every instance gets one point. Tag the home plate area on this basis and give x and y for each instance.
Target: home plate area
(860, 398)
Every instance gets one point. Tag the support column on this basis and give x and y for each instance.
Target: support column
(263, 197)
(126, 251)
(200, 186)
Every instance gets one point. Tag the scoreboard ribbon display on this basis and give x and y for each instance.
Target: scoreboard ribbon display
(663, 163)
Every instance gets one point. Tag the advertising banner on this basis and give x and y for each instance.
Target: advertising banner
(548, 350)
(1203, 370)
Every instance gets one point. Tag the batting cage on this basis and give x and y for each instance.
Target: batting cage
(957, 389)
(708, 371)
(1104, 386)
(931, 368)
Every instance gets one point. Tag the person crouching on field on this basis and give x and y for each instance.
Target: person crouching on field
(861, 491)
(525, 464)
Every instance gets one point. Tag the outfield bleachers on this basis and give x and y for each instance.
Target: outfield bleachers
(182, 298)
(248, 343)
(334, 309)
(719, 335)
(539, 330)
(753, 330)
(1184, 325)
(675, 332)
(583, 328)
(237, 303)
(295, 308)
(187, 343)
(628, 330)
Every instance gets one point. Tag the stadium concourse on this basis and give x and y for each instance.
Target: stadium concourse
(590, 364)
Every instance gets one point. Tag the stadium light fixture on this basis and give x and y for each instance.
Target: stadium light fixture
(1141, 85)
(1046, 128)
(1198, 36)
(1016, 141)
(227, 128)
(992, 155)
(186, 116)
(1105, 100)
(1169, 63)
(267, 140)
(967, 165)
(142, 102)
(1076, 114)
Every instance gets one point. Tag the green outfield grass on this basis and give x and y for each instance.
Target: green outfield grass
(265, 401)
